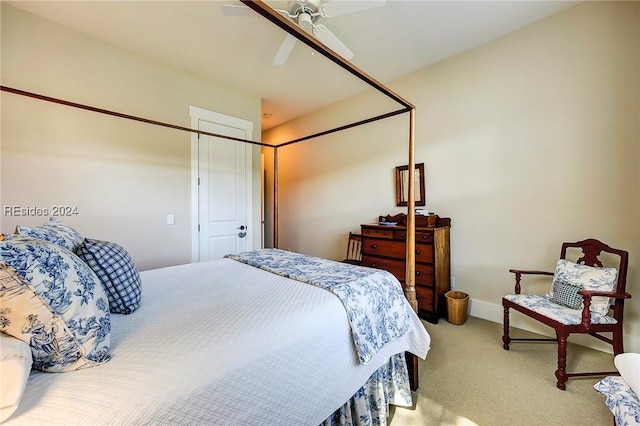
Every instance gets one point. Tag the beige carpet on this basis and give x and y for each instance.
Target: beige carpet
(468, 379)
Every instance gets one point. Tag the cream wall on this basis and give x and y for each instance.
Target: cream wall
(528, 141)
(123, 176)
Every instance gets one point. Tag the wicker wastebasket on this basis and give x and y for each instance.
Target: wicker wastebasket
(457, 304)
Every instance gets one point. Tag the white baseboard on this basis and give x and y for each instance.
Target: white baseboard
(494, 313)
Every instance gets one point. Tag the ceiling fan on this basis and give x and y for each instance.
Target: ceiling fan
(307, 14)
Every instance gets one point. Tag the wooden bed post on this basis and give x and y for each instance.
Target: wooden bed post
(413, 367)
(410, 289)
(276, 228)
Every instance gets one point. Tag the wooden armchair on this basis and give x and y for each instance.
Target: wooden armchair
(354, 249)
(580, 301)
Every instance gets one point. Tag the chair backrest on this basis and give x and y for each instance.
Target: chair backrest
(592, 253)
(354, 247)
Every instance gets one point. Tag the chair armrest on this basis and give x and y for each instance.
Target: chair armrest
(530, 272)
(520, 272)
(587, 295)
(591, 293)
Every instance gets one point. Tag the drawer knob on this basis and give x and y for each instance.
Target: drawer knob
(373, 265)
(417, 273)
(374, 246)
(417, 251)
(402, 235)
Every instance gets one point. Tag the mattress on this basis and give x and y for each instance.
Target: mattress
(217, 342)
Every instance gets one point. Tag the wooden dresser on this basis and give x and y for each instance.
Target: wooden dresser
(384, 247)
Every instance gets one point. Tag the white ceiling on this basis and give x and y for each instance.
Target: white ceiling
(388, 42)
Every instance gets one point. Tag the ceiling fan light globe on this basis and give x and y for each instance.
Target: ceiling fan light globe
(306, 22)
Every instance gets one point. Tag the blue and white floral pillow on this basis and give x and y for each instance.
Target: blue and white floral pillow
(590, 278)
(55, 232)
(54, 302)
(117, 272)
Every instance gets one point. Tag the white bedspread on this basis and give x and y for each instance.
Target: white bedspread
(219, 343)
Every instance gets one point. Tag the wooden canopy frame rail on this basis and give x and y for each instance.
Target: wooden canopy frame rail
(267, 12)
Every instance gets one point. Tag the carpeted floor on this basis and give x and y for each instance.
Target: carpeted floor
(468, 379)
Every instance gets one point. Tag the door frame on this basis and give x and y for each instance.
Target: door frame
(196, 115)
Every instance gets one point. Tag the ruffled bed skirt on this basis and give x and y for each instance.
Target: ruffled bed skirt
(370, 404)
(621, 400)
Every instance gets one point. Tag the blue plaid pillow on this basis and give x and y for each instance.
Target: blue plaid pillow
(115, 269)
(566, 294)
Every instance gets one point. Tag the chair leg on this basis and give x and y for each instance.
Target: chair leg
(618, 342)
(561, 372)
(505, 336)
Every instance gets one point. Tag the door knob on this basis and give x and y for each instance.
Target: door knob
(241, 227)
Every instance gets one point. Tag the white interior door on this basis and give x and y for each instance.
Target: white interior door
(223, 191)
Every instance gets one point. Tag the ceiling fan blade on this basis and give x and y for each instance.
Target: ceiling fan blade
(343, 7)
(330, 40)
(285, 49)
(235, 10)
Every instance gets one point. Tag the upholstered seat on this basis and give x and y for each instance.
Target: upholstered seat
(543, 305)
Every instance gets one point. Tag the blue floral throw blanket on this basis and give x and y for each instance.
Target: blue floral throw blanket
(373, 299)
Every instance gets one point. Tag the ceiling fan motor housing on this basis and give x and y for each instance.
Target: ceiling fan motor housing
(306, 10)
(305, 13)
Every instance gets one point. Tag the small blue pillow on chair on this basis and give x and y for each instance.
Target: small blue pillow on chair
(566, 294)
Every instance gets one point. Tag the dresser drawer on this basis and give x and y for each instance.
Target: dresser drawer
(424, 253)
(424, 237)
(424, 274)
(400, 235)
(421, 236)
(396, 249)
(396, 267)
(387, 248)
(377, 233)
(425, 298)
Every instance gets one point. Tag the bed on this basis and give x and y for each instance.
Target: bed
(622, 391)
(230, 341)
(263, 337)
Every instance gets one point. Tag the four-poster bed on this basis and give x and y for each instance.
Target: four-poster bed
(167, 280)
